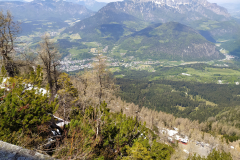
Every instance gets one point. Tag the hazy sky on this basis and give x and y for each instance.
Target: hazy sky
(212, 1)
(223, 1)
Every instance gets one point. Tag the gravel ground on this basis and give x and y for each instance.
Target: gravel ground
(192, 148)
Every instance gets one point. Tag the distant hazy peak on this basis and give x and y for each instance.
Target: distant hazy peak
(86, 1)
(89, 1)
(46, 0)
(90, 4)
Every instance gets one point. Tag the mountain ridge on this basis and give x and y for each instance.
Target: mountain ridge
(177, 3)
(38, 9)
(151, 12)
(154, 11)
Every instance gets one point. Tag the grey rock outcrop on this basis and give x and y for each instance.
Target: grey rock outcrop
(12, 152)
(191, 4)
(183, 11)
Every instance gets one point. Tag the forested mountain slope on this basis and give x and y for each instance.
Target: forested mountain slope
(171, 41)
(107, 26)
(164, 91)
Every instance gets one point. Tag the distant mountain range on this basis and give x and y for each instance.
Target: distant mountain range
(124, 23)
(233, 8)
(48, 9)
(136, 15)
(181, 11)
(90, 4)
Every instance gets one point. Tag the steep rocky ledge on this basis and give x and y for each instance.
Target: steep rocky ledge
(12, 152)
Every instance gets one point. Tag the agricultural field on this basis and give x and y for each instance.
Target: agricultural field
(215, 75)
(207, 25)
(198, 72)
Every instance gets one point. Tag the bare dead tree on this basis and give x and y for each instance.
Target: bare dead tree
(49, 58)
(8, 34)
(100, 67)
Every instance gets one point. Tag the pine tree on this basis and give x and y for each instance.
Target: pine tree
(67, 96)
(24, 108)
(137, 152)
